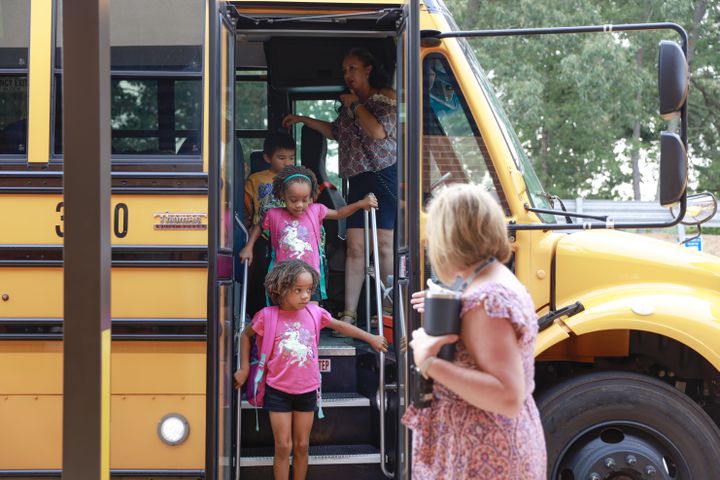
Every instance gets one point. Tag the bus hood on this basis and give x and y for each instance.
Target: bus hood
(594, 260)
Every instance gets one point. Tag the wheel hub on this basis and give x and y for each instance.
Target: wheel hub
(617, 453)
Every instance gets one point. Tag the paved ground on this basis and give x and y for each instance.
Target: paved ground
(711, 243)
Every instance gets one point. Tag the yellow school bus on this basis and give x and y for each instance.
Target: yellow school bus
(627, 358)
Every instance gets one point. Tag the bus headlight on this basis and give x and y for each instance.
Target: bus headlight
(173, 429)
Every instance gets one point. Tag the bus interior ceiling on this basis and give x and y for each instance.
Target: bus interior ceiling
(304, 57)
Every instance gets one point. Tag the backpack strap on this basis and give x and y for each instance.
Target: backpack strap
(265, 350)
(320, 235)
(323, 265)
(316, 321)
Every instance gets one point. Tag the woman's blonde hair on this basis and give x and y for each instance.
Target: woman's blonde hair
(465, 225)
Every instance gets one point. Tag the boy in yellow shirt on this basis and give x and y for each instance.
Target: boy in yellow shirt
(278, 152)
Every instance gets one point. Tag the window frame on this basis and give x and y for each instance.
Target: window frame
(151, 163)
(9, 158)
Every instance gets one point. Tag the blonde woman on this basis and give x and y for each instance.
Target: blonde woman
(483, 422)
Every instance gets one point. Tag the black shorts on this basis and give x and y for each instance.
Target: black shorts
(383, 184)
(277, 401)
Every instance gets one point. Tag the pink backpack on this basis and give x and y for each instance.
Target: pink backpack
(255, 386)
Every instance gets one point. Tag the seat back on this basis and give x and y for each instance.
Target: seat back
(257, 162)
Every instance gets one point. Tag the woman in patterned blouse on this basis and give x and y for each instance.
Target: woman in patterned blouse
(482, 423)
(365, 130)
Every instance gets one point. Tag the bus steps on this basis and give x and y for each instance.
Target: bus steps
(334, 400)
(318, 455)
(362, 471)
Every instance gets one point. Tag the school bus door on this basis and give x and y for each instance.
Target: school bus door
(220, 55)
(407, 235)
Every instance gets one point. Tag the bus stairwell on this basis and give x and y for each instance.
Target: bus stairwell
(353, 431)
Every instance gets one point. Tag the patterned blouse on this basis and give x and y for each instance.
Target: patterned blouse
(359, 152)
(454, 440)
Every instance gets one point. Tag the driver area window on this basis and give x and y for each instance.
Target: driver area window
(453, 149)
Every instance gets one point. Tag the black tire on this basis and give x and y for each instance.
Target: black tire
(617, 425)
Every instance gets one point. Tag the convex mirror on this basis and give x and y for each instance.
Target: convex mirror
(701, 207)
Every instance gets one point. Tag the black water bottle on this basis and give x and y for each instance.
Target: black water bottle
(441, 317)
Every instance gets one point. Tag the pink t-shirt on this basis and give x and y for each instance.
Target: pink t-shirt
(296, 237)
(293, 364)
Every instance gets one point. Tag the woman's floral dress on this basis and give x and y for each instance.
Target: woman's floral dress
(453, 440)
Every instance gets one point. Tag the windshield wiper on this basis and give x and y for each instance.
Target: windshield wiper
(566, 214)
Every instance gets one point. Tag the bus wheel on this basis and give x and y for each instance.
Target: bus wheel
(625, 426)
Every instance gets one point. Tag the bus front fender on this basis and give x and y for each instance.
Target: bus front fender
(688, 315)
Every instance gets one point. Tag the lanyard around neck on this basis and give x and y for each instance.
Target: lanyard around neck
(460, 283)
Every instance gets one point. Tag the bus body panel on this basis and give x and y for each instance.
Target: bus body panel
(592, 261)
(169, 292)
(623, 286)
(32, 432)
(689, 315)
(148, 381)
(138, 367)
(135, 219)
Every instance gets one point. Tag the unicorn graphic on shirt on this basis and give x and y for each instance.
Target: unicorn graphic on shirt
(291, 239)
(292, 345)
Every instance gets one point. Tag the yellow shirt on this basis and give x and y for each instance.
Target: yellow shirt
(257, 186)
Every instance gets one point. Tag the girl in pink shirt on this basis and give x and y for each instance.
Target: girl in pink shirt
(295, 229)
(292, 369)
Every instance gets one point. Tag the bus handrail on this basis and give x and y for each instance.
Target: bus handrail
(378, 306)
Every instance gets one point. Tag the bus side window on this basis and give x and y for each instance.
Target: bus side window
(453, 150)
(156, 84)
(14, 42)
(251, 114)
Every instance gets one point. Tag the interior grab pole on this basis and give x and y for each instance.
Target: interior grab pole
(367, 271)
(238, 333)
(240, 327)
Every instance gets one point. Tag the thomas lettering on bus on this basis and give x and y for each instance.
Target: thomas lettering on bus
(180, 221)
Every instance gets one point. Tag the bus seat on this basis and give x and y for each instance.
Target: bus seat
(313, 153)
(257, 162)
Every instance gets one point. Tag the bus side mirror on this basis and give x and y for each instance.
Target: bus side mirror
(673, 168)
(672, 79)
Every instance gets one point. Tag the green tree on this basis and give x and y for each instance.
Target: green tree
(585, 106)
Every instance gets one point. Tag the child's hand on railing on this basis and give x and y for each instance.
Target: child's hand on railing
(246, 255)
(240, 376)
(378, 343)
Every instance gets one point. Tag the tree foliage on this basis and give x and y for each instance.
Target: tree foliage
(585, 106)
